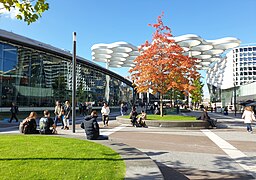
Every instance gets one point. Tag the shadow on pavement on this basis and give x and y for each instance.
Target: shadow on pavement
(170, 173)
(177, 170)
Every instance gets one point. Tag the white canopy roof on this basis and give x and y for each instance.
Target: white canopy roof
(122, 54)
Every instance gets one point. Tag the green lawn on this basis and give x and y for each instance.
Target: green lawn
(169, 117)
(49, 157)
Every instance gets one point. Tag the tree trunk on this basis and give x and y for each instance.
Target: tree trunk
(171, 99)
(161, 104)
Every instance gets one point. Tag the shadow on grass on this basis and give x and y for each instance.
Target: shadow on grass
(73, 159)
(61, 159)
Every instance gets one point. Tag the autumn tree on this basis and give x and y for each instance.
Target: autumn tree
(161, 65)
(29, 11)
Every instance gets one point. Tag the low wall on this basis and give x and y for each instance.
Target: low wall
(178, 124)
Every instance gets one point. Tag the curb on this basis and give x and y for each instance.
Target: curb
(170, 124)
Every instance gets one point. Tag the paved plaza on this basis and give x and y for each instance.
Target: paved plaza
(228, 152)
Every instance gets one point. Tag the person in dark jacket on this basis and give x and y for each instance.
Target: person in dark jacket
(14, 110)
(91, 127)
(205, 117)
(133, 116)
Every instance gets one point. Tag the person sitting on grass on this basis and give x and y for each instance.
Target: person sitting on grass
(91, 127)
(28, 125)
(46, 124)
(141, 119)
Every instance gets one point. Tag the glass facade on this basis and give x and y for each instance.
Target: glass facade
(34, 78)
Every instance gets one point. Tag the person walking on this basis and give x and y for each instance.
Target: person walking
(248, 116)
(105, 114)
(67, 114)
(122, 109)
(14, 110)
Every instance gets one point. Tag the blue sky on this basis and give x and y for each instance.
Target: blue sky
(100, 21)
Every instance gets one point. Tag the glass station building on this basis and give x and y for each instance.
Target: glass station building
(34, 74)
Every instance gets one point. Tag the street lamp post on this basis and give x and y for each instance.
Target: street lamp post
(74, 84)
(235, 97)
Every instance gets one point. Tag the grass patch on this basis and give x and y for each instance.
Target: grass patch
(49, 157)
(171, 118)
(168, 117)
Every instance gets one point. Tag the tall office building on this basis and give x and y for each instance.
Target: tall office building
(244, 64)
(238, 72)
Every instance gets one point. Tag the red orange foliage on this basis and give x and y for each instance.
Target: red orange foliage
(161, 65)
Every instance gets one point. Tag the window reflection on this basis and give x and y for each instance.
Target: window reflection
(34, 78)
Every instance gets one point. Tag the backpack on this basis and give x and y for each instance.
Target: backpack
(43, 125)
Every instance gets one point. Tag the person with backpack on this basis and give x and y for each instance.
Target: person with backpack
(28, 125)
(46, 124)
(14, 110)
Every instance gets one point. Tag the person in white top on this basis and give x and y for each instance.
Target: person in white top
(248, 117)
(105, 114)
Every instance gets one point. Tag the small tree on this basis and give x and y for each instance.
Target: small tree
(197, 93)
(161, 65)
(81, 94)
(29, 11)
